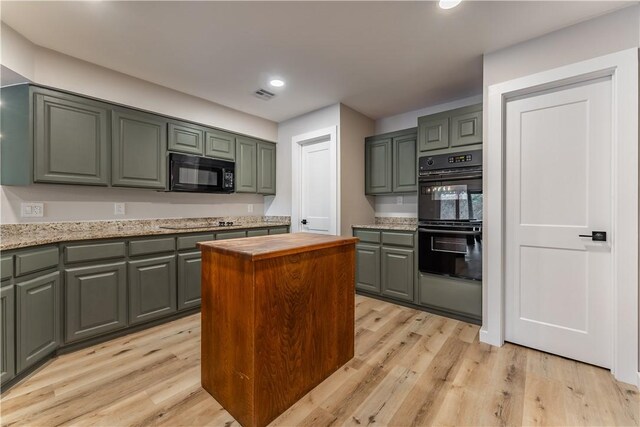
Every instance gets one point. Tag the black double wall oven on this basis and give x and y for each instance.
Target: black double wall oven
(450, 215)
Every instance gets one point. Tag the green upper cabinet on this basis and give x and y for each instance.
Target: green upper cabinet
(466, 126)
(378, 166)
(266, 168)
(246, 165)
(185, 138)
(390, 163)
(433, 132)
(220, 144)
(451, 129)
(405, 178)
(139, 149)
(71, 139)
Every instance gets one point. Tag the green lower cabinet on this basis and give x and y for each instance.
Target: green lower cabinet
(231, 235)
(397, 273)
(453, 295)
(279, 230)
(254, 233)
(152, 288)
(189, 276)
(368, 267)
(38, 315)
(95, 300)
(7, 329)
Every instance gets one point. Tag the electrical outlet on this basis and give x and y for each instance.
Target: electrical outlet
(32, 210)
(250, 208)
(118, 208)
(399, 200)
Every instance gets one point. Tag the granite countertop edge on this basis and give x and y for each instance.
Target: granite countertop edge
(40, 239)
(390, 227)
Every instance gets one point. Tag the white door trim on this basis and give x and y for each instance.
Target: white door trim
(326, 134)
(623, 69)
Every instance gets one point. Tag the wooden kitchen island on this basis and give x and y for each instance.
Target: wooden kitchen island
(277, 319)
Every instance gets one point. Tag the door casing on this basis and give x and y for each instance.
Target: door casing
(623, 68)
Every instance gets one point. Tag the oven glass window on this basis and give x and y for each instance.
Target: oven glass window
(456, 202)
(200, 177)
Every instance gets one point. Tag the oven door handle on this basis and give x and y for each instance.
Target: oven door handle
(449, 178)
(465, 233)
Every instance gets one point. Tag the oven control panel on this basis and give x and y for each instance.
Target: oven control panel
(430, 164)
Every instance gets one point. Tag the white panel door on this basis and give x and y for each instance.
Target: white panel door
(558, 186)
(315, 207)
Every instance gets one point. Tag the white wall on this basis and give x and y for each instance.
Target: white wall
(54, 69)
(407, 205)
(280, 204)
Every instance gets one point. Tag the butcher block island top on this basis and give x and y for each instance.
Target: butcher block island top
(277, 319)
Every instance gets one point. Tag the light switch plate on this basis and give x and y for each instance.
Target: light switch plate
(250, 208)
(32, 210)
(399, 200)
(118, 209)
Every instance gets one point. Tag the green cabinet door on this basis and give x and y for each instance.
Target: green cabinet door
(71, 140)
(189, 276)
(246, 165)
(397, 273)
(266, 168)
(433, 132)
(95, 300)
(7, 329)
(185, 138)
(405, 175)
(220, 144)
(378, 166)
(139, 149)
(368, 267)
(466, 126)
(231, 235)
(152, 288)
(38, 325)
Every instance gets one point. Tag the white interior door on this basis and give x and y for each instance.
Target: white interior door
(558, 288)
(315, 187)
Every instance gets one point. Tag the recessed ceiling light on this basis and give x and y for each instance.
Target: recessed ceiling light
(276, 83)
(449, 4)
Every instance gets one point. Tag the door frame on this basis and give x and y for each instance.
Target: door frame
(622, 67)
(327, 134)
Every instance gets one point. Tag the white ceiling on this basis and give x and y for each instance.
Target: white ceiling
(380, 58)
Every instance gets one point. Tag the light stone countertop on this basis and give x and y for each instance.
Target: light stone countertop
(13, 236)
(391, 224)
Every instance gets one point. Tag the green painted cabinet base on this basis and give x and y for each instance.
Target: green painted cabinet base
(189, 277)
(452, 295)
(152, 288)
(7, 329)
(397, 272)
(95, 300)
(37, 319)
(368, 267)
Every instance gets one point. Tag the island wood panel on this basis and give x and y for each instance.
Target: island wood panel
(275, 327)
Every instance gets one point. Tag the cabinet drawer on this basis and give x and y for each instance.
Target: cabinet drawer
(189, 242)
(6, 267)
(152, 246)
(367, 236)
(94, 251)
(397, 239)
(254, 233)
(230, 235)
(36, 260)
(279, 230)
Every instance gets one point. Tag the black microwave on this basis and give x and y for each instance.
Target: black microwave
(200, 174)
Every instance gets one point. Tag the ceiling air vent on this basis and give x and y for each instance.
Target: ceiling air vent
(264, 94)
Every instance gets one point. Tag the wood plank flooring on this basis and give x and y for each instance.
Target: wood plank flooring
(411, 368)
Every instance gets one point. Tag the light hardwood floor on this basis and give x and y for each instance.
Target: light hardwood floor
(410, 368)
